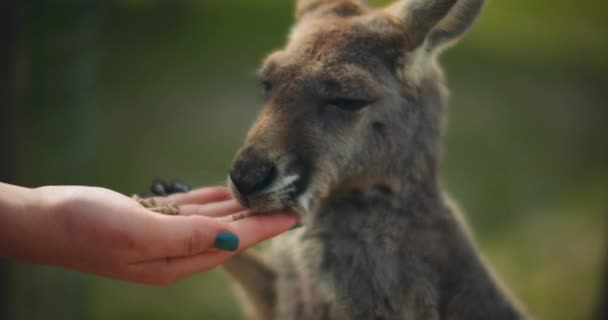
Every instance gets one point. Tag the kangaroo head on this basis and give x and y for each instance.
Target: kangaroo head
(354, 95)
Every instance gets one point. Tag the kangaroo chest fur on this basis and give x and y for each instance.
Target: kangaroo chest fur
(372, 256)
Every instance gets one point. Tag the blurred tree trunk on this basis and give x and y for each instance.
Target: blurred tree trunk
(10, 87)
(59, 136)
(603, 297)
(10, 97)
(61, 112)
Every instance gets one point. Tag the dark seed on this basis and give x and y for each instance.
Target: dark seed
(178, 187)
(159, 188)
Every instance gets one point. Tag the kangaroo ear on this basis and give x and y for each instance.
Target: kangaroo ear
(436, 22)
(453, 26)
(340, 7)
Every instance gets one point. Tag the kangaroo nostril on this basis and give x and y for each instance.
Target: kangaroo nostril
(250, 177)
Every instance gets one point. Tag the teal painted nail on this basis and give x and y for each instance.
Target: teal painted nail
(226, 241)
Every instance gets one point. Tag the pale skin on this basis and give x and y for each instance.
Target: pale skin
(99, 231)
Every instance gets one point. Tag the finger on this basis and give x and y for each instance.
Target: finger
(250, 231)
(213, 209)
(200, 196)
(177, 236)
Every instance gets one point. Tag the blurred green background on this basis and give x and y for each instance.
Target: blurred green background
(116, 93)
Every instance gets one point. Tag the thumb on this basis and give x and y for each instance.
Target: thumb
(180, 236)
(252, 230)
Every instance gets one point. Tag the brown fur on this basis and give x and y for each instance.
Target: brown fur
(350, 137)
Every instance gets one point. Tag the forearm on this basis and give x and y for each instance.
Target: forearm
(18, 209)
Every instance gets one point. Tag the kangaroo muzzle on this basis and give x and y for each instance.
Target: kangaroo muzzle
(263, 183)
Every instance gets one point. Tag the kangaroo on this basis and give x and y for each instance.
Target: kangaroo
(349, 137)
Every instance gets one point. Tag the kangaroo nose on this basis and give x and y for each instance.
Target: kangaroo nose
(251, 173)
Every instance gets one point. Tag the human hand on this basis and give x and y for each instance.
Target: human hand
(100, 231)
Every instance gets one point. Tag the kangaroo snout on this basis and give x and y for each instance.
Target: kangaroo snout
(265, 183)
(252, 172)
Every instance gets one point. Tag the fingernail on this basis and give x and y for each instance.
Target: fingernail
(296, 226)
(226, 241)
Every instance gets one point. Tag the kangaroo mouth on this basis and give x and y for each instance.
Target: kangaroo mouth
(266, 183)
(282, 194)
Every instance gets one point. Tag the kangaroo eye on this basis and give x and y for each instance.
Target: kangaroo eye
(266, 87)
(349, 104)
